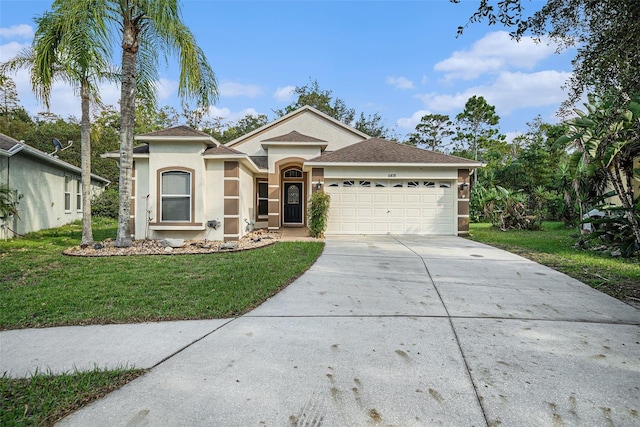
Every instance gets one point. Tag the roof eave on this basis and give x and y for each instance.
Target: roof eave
(238, 157)
(321, 145)
(116, 155)
(392, 164)
(203, 139)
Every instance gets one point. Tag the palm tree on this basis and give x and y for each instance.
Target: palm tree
(147, 28)
(66, 49)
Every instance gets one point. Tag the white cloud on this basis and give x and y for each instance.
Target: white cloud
(17, 31)
(508, 92)
(10, 50)
(233, 89)
(166, 88)
(411, 122)
(226, 115)
(495, 52)
(284, 94)
(400, 82)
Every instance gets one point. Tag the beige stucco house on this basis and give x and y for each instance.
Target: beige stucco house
(49, 190)
(187, 185)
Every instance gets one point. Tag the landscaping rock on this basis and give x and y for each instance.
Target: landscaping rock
(98, 246)
(168, 250)
(229, 245)
(172, 243)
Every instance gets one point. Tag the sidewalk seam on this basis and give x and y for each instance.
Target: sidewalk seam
(180, 350)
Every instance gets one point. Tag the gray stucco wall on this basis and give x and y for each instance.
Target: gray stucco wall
(41, 187)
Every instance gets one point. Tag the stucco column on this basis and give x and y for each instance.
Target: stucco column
(463, 191)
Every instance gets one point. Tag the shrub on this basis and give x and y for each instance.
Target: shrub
(318, 213)
(106, 204)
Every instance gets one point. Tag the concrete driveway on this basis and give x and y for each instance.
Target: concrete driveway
(402, 331)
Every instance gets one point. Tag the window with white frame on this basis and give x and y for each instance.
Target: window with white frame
(175, 196)
(67, 193)
(263, 199)
(79, 195)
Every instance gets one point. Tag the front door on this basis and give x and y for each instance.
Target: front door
(293, 198)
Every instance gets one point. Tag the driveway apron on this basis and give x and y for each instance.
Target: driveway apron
(402, 331)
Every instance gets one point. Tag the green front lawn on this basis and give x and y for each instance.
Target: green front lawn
(41, 287)
(553, 247)
(42, 399)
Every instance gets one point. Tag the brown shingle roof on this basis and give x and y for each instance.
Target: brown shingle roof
(177, 131)
(294, 136)
(220, 151)
(376, 150)
(6, 142)
(261, 161)
(140, 149)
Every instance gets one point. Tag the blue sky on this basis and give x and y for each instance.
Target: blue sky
(398, 58)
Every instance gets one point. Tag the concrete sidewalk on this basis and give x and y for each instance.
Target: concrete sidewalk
(406, 331)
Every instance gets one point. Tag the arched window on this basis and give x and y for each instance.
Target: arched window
(175, 196)
(293, 173)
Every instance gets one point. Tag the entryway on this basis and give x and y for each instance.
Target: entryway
(293, 203)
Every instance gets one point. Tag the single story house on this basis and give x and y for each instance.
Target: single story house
(48, 190)
(188, 185)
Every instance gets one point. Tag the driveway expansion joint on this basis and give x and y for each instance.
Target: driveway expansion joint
(455, 334)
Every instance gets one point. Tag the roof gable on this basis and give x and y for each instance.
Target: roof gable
(377, 150)
(291, 116)
(294, 136)
(7, 143)
(178, 133)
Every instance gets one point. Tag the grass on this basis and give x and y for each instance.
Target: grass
(553, 246)
(43, 398)
(41, 287)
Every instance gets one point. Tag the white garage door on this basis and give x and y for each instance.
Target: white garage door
(390, 206)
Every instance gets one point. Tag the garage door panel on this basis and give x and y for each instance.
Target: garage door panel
(379, 197)
(348, 213)
(365, 212)
(349, 197)
(381, 227)
(381, 213)
(413, 213)
(365, 198)
(412, 198)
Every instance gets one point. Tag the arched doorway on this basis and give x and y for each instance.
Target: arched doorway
(293, 196)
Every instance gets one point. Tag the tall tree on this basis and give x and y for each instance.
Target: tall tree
(606, 32)
(431, 131)
(477, 128)
(67, 46)
(323, 100)
(9, 101)
(373, 125)
(240, 127)
(311, 94)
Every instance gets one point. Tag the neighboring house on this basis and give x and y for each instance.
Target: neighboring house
(49, 190)
(188, 185)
